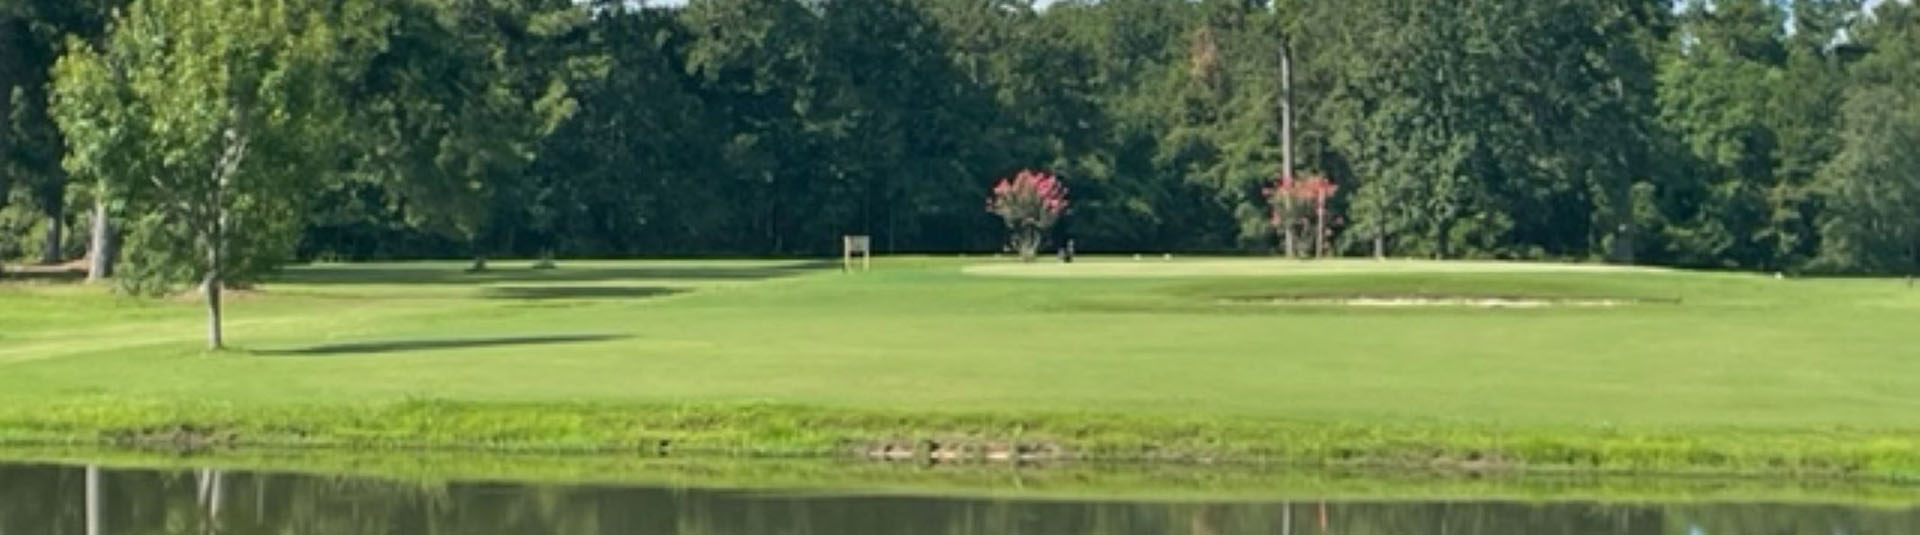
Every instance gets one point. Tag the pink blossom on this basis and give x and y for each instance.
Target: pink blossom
(1030, 202)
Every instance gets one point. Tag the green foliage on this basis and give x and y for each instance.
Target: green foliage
(33, 34)
(1621, 129)
(453, 103)
(209, 119)
(1873, 183)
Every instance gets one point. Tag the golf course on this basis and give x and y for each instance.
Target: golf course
(1470, 365)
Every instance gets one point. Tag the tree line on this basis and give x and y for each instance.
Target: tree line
(216, 139)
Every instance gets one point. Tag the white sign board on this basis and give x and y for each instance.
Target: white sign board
(851, 245)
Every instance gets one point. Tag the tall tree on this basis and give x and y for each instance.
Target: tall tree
(13, 37)
(761, 63)
(631, 173)
(1717, 86)
(1501, 128)
(1224, 132)
(457, 97)
(1872, 222)
(32, 35)
(1135, 183)
(905, 121)
(1804, 117)
(211, 118)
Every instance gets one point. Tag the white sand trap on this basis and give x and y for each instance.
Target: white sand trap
(1154, 267)
(1418, 302)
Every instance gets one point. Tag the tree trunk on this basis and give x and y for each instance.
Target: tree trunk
(1027, 243)
(56, 227)
(1623, 244)
(216, 239)
(1620, 193)
(479, 255)
(100, 253)
(215, 339)
(1286, 143)
(1320, 229)
(1289, 246)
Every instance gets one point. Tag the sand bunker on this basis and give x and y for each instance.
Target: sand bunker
(1417, 301)
(1157, 268)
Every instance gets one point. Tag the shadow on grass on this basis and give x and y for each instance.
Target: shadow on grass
(60, 274)
(540, 293)
(446, 274)
(397, 346)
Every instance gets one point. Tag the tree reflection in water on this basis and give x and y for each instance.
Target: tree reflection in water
(67, 500)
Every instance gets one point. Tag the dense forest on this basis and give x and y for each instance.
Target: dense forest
(232, 135)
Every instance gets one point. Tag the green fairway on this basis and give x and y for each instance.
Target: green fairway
(1221, 342)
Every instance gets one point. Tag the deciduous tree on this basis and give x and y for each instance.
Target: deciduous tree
(211, 119)
(1030, 203)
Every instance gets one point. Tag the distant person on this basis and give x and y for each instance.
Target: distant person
(1066, 253)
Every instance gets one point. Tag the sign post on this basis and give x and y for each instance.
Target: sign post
(862, 245)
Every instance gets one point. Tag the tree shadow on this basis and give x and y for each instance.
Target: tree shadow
(397, 346)
(541, 293)
(61, 274)
(442, 273)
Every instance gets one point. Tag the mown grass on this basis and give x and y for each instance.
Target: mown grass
(1136, 360)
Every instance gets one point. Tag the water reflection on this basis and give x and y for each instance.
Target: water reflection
(56, 500)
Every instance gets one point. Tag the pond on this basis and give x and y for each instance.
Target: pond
(59, 499)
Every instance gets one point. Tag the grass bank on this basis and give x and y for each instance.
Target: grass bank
(1188, 361)
(757, 430)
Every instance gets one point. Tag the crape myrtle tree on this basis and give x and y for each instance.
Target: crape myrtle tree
(1300, 206)
(212, 121)
(1029, 202)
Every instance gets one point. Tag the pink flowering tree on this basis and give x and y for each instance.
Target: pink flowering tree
(1300, 208)
(1030, 203)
